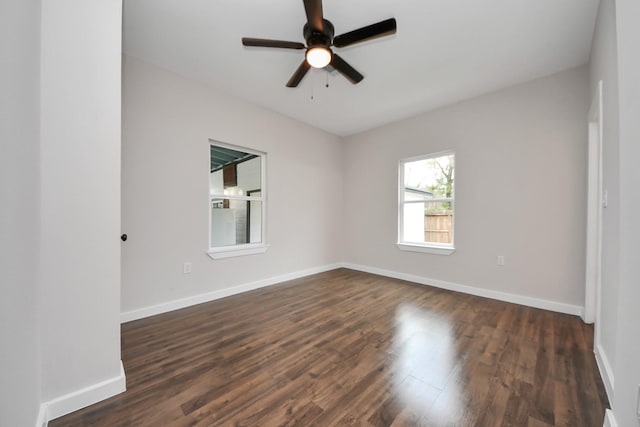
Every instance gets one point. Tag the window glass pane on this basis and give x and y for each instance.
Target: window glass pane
(233, 172)
(413, 223)
(427, 209)
(236, 176)
(429, 222)
(249, 176)
(254, 225)
(235, 222)
(429, 178)
(438, 223)
(215, 182)
(412, 194)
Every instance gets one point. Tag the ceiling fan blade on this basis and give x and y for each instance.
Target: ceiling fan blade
(313, 8)
(379, 29)
(299, 74)
(341, 66)
(248, 41)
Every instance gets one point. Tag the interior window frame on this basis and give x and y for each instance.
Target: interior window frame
(426, 247)
(242, 249)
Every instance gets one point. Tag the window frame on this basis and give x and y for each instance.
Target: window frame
(430, 248)
(222, 252)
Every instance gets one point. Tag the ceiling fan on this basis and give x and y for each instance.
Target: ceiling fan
(318, 33)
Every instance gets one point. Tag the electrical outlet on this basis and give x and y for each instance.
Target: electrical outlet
(501, 260)
(186, 268)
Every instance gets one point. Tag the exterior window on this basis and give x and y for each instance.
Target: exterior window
(426, 208)
(237, 198)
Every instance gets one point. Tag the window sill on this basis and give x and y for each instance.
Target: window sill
(229, 252)
(436, 250)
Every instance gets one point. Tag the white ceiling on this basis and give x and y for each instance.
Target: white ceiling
(444, 51)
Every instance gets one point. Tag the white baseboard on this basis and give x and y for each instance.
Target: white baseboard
(82, 398)
(222, 293)
(42, 421)
(610, 419)
(605, 370)
(497, 295)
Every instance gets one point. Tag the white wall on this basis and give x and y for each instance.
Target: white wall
(79, 275)
(627, 365)
(19, 65)
(167, 124)
(614, 60)
(521, 156)
(603, 66)
(60, 134)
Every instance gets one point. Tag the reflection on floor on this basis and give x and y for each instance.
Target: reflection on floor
(424, 365)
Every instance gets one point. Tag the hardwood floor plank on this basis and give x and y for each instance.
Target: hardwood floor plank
(346, 348)
(543, 405)
(496, 405)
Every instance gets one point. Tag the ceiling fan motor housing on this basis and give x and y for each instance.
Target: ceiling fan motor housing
(315, 37)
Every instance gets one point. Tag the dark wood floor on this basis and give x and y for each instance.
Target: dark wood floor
(345, 348)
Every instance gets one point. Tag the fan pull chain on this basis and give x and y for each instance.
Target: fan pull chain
(327, 83)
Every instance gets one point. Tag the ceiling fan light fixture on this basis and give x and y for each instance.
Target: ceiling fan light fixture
(319, 56)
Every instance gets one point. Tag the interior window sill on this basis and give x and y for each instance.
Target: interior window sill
(436, 250)
(229, 252)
